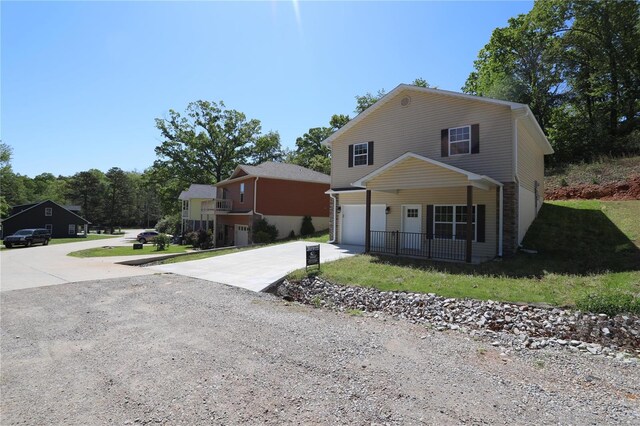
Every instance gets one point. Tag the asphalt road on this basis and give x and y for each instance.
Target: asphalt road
(166, 349)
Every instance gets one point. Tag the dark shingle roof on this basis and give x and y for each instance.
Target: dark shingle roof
(197, 190)
(286, 171)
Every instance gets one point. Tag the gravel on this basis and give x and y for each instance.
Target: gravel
(520, 325)
(165, 349)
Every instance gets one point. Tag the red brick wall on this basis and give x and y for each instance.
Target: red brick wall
(233, 193)
(289, 198)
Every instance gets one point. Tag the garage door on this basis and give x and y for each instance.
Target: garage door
(353, 222)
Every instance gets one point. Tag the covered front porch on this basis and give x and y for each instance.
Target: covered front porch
(418, 207)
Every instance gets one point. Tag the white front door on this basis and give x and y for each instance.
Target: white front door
(412, 226)
(242, 235)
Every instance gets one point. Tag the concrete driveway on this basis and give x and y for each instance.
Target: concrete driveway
(49, 265)
(256, 269)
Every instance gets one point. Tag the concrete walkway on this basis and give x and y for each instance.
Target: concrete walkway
(256, 269)
(39, 266)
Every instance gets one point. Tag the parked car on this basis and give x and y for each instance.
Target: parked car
(148, 236)
(28, 237)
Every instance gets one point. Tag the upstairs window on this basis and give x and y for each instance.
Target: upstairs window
(360, 154)
(242, 192)
(48, 211)
(460, 140)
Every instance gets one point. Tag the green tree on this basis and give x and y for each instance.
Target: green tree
(118, 196)
(207, 143)
(266, 148)
(88, 189)
(5, 175)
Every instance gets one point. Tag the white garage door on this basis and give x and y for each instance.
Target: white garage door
(353, 222)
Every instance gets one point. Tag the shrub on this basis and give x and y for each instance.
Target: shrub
(610, 303)
(191, 238)
(169, 224)
(307, 227)
(262, 227)
(161, 242)
(205, 239)
(292, 235)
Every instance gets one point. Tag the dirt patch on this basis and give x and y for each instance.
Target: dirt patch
(628, 189)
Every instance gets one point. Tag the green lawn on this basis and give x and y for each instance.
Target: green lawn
(90, 237)
(584, 247)
(127, 251)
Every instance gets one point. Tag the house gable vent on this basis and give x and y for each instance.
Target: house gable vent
(405, 101)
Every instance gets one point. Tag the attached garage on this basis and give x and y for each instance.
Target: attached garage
(354, 220)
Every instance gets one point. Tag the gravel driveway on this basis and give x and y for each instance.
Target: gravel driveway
(175, 350)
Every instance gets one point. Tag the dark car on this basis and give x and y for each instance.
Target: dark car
(28, 237)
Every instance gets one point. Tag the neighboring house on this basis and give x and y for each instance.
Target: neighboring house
(278, 192)
(62, 223)
(405, 172)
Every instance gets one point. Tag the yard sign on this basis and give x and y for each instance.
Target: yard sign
(313, 256)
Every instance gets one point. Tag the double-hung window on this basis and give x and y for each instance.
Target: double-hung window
(48, 211)
(450, 222)
(242, 192)
(360, 154)
(460, 140)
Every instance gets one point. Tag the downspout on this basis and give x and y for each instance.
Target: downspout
(335, 202)
(255, 193)
(500, 220)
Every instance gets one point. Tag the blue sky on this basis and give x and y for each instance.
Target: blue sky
(82, 82)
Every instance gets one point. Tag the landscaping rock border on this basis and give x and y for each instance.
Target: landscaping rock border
(517, 325)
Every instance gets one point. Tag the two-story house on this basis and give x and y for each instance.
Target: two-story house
(406, 172)
(280, 193)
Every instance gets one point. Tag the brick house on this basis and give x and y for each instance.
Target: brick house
(278, 192)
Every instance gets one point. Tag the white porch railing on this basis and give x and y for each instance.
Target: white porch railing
(216, 205)
(185, 214)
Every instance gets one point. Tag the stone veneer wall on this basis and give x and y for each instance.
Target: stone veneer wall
(332, 226)
(510, 219)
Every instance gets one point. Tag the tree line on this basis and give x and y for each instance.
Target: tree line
(575, 63)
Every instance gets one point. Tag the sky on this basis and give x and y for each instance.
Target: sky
(83, 82)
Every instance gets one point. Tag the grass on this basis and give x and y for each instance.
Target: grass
(126, 251)
(90, 237)
(584, 248)
(605, 170)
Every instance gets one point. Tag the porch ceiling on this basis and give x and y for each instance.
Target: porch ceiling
(413, 171)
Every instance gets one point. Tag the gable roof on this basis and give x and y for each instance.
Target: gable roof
(273, 170)
(197, 190)
(473, 178)
(514, 106)
(40, 203)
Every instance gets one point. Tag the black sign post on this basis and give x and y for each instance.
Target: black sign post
(313, 256)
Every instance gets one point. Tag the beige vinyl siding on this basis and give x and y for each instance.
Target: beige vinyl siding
(481, 251)
(530, 161)
(414, 173)
(195, 206)
(395, 130)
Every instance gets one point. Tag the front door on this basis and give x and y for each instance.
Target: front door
(242, 235)
(412, 226)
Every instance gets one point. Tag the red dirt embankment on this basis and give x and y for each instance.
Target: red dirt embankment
(628, 189)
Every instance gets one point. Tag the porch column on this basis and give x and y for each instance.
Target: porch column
(367, 223)
(469, 223)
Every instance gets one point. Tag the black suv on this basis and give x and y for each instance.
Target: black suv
(28, 237)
